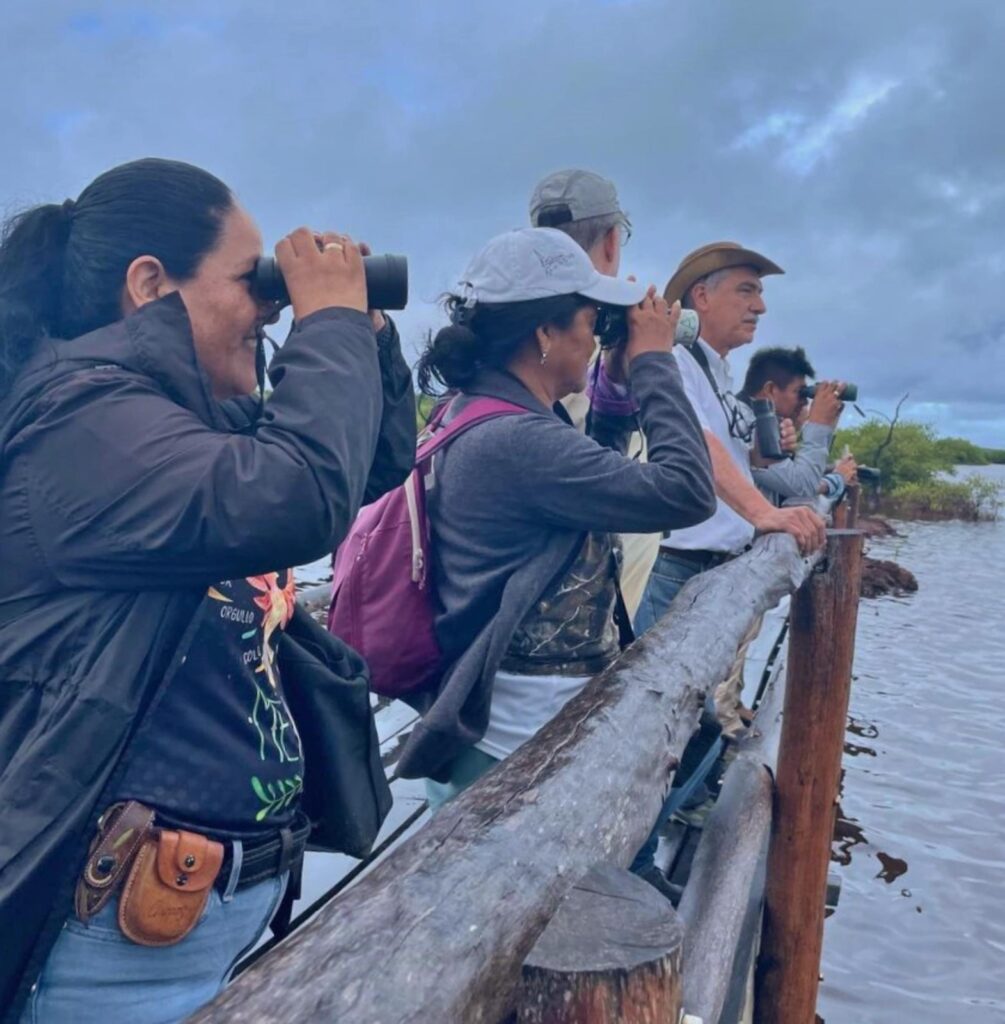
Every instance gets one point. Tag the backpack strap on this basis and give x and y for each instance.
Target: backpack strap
(477, 411)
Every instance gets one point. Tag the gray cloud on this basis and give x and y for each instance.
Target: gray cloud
(861, 147)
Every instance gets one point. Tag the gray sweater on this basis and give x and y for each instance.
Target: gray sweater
(800, 476)
(509, 502)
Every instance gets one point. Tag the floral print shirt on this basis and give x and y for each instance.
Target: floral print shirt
(220, 749)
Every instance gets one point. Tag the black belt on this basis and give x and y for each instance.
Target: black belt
(701, 558)
(263, 859)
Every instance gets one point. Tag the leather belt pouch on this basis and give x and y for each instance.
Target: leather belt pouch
(168, 886)
(122, 830)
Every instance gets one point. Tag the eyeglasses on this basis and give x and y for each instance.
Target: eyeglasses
(625, 231)
(740, 425)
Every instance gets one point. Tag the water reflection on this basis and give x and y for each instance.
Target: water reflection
(858, 727)
(847, 835)
(893, 868)
(919, 842)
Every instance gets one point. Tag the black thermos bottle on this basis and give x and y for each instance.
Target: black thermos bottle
(769, 438)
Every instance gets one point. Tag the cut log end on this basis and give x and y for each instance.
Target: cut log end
(612, 952)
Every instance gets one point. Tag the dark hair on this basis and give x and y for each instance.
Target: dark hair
(490, 335)
(62, 267)
(776, 364)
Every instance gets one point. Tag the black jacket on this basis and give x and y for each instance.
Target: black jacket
(125, 491)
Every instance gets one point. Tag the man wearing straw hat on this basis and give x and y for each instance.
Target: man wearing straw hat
(722, 283)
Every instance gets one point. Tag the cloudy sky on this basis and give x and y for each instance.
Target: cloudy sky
(861, 145)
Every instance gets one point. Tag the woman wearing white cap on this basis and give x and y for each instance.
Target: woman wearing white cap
(523, 507)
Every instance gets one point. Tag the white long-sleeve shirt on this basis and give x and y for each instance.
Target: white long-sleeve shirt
(726, 531)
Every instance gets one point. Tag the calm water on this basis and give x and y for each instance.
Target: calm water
(919, 934)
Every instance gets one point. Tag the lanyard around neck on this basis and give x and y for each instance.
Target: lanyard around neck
(734, 417)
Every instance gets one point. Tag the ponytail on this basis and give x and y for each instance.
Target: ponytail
(32, 259)
(451, 360)
(63, 268)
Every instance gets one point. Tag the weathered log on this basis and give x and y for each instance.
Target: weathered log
(611, 955)
(721, 905)
(717, 897)
(438, 931)
(821, 648)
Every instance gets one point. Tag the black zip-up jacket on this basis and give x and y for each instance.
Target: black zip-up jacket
(125, 491)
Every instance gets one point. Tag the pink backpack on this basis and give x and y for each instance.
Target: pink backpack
(383, 604)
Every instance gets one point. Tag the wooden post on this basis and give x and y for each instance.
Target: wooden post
(846, 510)
(612, 953)
(853, 500)
(821, 647)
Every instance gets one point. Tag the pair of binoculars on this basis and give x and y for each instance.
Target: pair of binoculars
(849, 393)
(386, 281)
(612, 327)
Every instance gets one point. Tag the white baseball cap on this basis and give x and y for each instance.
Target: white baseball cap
(540, 263)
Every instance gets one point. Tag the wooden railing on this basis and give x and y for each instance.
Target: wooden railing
(440, 929)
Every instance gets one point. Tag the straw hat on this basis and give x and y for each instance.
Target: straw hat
(713, 257)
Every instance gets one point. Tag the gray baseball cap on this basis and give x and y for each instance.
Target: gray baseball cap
(573, 195)
(539, 263)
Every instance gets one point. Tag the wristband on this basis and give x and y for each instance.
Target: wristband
(835, 485)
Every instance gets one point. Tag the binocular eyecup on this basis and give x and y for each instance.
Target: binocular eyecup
(386, 281)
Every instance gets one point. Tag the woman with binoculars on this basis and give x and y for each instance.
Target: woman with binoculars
(150, 508)
(525, 508)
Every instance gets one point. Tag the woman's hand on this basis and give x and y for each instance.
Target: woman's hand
(319, 276)
(651, 325)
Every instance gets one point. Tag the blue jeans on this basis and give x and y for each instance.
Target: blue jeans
(468, 767)
(95, 975)
(668, 576)
(665, 581)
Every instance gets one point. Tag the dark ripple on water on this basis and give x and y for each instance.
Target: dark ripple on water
(919, 934)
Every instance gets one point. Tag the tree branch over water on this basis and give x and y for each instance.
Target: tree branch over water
(893, 426)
